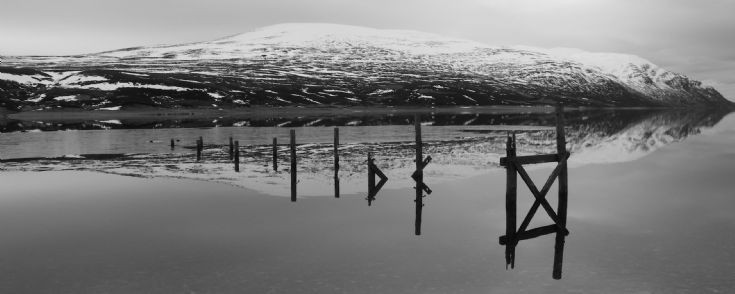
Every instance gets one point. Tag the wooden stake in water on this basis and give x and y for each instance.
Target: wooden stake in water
(419, 174)
(293, 165)
(231, 149)
(199, 149)
(275, 154)
(172, 144)
(371, 179)
(336, 162)
(237, 156)
(510, 202)
(561, 149)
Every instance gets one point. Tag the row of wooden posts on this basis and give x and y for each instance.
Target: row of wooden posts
(373, 170)
(512, 163)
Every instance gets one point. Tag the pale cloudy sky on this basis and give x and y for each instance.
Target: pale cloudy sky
(695, 38)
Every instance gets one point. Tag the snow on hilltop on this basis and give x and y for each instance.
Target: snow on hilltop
(306, 35)
(328, 64)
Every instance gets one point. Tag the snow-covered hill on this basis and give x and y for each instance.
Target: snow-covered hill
(305, 63)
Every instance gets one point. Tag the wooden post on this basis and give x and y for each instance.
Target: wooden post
(237, 156)
(371, 178)
(172, 144)
(336, 163)
(199, 149)
(420, 174)
(293, 165)
(561, 149)
(232, 147)
(275, 154)
(510, 202)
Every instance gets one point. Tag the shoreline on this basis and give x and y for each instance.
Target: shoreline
(285, 112)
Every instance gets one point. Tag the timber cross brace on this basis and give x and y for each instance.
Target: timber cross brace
(373, 170)
(514, 166)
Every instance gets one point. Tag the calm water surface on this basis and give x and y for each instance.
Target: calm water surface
(651, 211)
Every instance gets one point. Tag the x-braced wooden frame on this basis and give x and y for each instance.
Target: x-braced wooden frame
(514, 166)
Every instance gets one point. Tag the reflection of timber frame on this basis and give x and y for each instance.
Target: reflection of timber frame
(514, 165)
(373, 170)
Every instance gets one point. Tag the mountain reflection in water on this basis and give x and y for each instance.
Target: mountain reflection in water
(461, 145)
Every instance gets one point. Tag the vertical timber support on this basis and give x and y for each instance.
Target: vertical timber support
(561, 149)
(293, 165)
(371, 179)
(336, 162)
(237, 155)
(275, 154)
(172, 144)
(199, 149)
(510, 203)
(419, 174)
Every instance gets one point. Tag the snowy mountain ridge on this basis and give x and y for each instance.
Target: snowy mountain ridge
(305, 63)
(305, 35)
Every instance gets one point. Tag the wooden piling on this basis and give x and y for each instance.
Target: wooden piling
(275, 154)
(199, 149)
(371, 178)
(231, 149)
(237, 156)
(510, 202)
(561, 149)
(172, 144)
(420, 174)
(293, 165)
(336, 163)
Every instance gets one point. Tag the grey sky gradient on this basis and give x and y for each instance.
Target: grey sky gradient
(695, 38)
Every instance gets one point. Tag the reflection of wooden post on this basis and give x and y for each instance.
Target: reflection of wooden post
(293, 165)
(231, 149)
(336, 163)
(420, 174)
(172, 144)
(561, 149)
(237, 156)
(275, 154)
(510, 202)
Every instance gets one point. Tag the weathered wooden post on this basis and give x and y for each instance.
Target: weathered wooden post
(172, 144)
(419, 174)
(371, 178)
(293, 165)
(237, 156)
(510, 202)
(373, 171)
(231, 149)
(199, 149)
(336, 163)
(275, 154)
(561, 149)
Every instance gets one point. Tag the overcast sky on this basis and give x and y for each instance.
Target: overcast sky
(695, 38)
